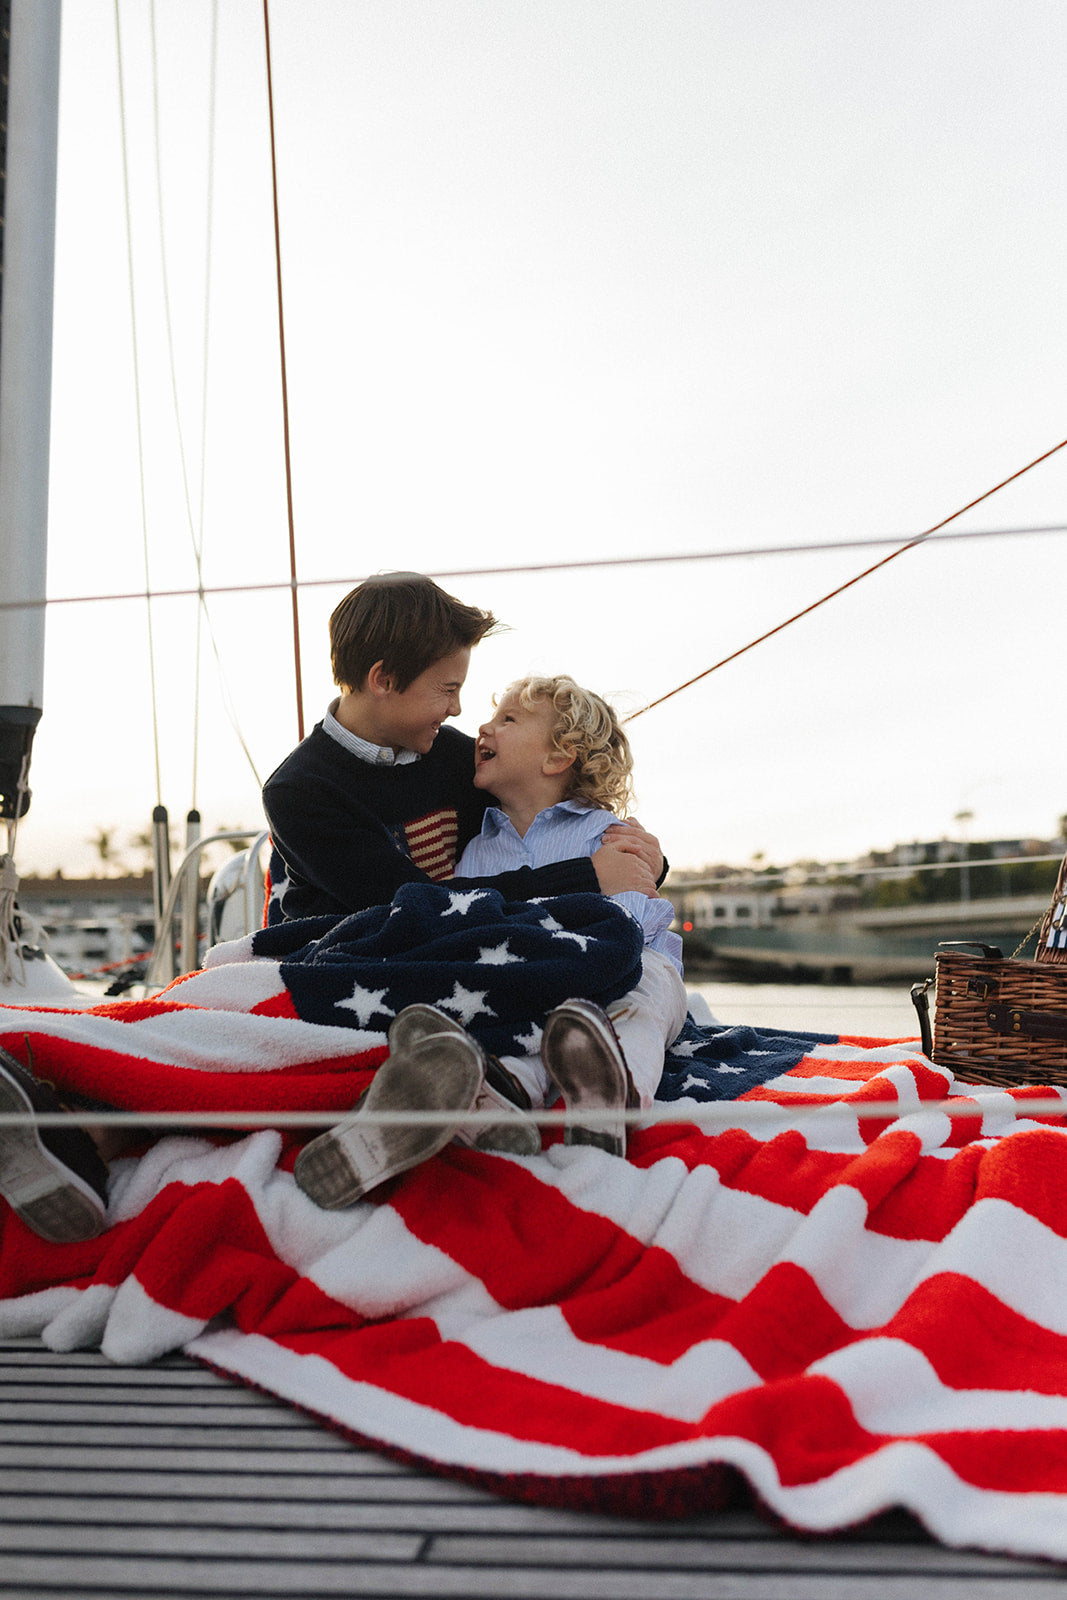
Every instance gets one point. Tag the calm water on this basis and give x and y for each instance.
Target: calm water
(885, 1013)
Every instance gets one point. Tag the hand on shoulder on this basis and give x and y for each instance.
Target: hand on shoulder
(631, 837)
(618, 869)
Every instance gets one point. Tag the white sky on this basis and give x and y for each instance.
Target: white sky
(572, 278)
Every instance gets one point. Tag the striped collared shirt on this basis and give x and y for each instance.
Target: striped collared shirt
(560, 832)
(376, 755)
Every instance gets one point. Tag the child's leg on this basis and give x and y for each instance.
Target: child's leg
(648, 1019)
(530, 1071)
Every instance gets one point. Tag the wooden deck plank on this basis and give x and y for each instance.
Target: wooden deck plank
(178, 1580)
(170, 1483)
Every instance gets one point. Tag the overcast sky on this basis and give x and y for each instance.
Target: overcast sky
(566, 279)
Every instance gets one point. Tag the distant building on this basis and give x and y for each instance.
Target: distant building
(91, 923)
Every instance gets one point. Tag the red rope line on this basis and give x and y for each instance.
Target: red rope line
(285, 381)
(892, 556)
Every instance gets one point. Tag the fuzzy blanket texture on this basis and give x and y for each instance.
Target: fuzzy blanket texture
(849, 1314)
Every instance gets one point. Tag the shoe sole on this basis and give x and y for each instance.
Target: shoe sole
(582, 1063)
(516, 1135)
(443, 1073)
(49, 1198)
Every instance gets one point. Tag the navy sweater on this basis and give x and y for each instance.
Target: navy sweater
(347, 834)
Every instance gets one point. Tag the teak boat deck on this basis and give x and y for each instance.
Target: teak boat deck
(169, 1481)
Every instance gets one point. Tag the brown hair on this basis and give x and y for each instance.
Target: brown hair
(585, 727)
(403, 620)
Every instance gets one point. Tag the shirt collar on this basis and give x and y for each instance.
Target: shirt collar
(495, 819)
(376, 755)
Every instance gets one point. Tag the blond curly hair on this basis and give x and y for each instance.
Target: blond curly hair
(586, 728)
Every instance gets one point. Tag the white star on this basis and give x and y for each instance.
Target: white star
(497, 955)
(459, 903)
(530, 1042)
(686, 1047)
(467, 1003)
(366, 1003)
(551, 924)
(693, 1083)
(580, 939)
(725, 1068)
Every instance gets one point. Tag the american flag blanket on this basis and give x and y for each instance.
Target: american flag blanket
(847, 1313)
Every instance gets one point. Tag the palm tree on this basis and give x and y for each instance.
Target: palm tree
(103, 842)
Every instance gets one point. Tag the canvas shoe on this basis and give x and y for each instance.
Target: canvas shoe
(583, 1057)
(516, 1133)
(53, 1177)
(442, 1072)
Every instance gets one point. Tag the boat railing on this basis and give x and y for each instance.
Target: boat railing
(238, 885)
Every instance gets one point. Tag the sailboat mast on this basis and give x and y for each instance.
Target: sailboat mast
(28, 129)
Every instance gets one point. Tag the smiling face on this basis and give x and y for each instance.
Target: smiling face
(516, 759)
(411, 718)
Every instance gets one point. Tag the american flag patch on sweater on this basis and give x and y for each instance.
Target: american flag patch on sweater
(431, 842)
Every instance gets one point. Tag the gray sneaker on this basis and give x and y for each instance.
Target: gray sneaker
(583, 1057)
(501, 1093)
(440, 1073)
(53, 1177)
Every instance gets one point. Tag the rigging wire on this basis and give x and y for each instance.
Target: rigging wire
(196, 526)
(284, 375)
(137, 404)
(591, 563)
(197, 535)
(912, 544)
(205, 365)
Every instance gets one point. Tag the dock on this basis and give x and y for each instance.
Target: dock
(171, 1482)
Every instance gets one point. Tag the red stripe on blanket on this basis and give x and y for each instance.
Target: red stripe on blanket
(613, 1289)
(279, 1005)
(136, 1083)
(141, 1010)
(413, 1362)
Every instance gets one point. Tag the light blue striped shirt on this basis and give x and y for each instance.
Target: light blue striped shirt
(560, 833)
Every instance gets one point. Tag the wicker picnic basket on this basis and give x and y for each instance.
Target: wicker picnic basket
(999, 1020)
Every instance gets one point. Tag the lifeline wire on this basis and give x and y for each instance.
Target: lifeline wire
(592, 563)
(733, 1112)
(911, 544)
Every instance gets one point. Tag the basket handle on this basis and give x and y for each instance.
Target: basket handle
(1038, 1024)
(922, 1007)
(990, 951)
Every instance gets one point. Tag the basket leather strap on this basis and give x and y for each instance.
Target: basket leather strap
(1037, 1024)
